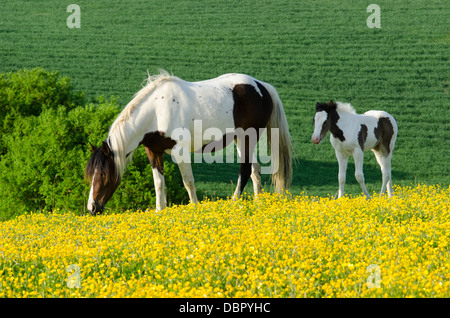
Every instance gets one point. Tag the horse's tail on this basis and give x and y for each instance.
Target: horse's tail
(281, 156)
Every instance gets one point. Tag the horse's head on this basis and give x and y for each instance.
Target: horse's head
(322, 122)
(102, 173)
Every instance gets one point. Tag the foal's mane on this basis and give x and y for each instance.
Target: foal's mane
(345, 108)
(118, 132)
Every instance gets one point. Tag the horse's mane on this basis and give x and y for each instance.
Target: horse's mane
(151, 82)
(345, 108)
(118, 131)
(99, 161)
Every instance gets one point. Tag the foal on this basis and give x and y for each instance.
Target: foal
(352, 134)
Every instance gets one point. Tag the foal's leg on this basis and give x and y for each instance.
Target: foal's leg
(342, 160)
(386, 175)
(188, 180)
(390, 191)
(385, 165)
(358, 155)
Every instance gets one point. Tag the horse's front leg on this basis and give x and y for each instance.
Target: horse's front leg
(157, 163)
(188, 180)
(342, 161)
(158, 179)
(358, 155)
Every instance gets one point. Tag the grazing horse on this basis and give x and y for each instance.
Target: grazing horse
(162, 117)
(352, 134)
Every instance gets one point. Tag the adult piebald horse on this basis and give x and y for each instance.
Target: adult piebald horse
(168, 104)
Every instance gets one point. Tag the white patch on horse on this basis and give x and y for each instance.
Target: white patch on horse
(319, 119)
(91, 201)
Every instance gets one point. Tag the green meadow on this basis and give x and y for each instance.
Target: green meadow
(309, 50)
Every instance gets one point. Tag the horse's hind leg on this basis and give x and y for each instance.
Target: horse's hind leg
(256, 176)
(386, 172)
(244, 174)
(387, 179)
(247, 168)
(385, 165)
(358, 155)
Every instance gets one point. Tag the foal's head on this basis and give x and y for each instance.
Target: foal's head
(322, 121)
(102, 173)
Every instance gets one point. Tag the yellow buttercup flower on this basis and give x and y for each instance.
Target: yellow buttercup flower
(273, 246)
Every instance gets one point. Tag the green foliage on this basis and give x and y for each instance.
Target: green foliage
(43, 168)
(45, 157)
(29, 92)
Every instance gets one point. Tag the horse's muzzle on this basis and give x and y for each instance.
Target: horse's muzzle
(96, 209)
(316, 140)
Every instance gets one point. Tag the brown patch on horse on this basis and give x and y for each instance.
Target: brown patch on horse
(384, 132)
(331, 122)
(155, 144)
(325, 128)
(334, 118)
(217, 145)
(251, 110)
(362, 136)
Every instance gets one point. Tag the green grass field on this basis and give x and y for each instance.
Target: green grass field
(309, 50)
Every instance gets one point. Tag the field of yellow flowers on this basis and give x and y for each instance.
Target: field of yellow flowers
(274, 246)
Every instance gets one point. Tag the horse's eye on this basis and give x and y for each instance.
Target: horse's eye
(104, 180)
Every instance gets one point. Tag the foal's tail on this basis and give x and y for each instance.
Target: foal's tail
(281, 157)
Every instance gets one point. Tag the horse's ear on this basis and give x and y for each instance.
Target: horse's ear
(105, 148)
(331, 105)
(93, 148)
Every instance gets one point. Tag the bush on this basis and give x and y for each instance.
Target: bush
(43, 167)
(29, 92)
(43, 164)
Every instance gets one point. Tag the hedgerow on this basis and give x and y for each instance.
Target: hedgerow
(45, 149)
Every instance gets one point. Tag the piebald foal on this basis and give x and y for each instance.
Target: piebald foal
(352, 134)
